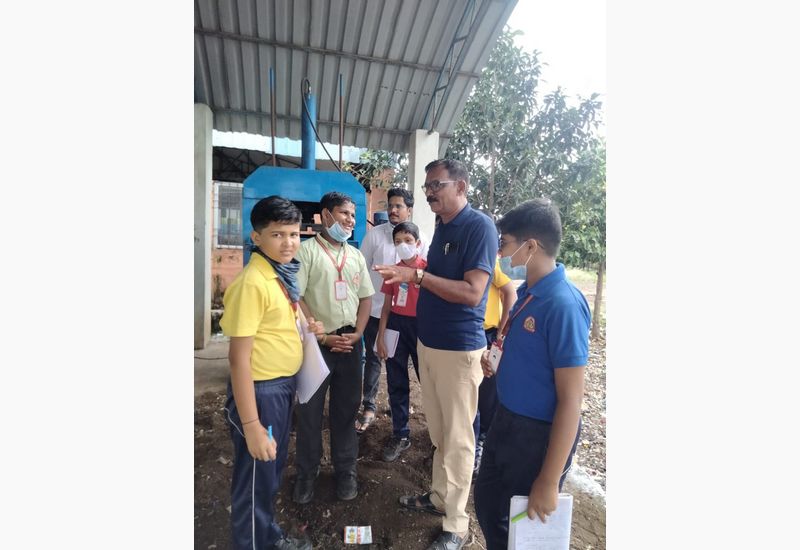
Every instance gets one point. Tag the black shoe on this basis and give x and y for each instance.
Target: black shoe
(394, 447)
(303, 489)
(346, 486)
(291, 543)
(449, 541)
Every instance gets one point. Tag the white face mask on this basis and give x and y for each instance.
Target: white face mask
(406, 251)
(337, 232)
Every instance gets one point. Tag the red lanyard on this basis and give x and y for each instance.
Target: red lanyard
(510, 319)
(285, 293)
(340, 267)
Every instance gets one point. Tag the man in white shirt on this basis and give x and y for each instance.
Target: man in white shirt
(378, 249)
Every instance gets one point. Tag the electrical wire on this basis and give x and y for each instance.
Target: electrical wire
(311, 122)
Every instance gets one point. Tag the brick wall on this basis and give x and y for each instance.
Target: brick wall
(226, 263)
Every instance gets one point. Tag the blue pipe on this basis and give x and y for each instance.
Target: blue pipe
(308, 139)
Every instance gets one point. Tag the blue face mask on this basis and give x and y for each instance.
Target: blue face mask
(514, 272)
(338, 233)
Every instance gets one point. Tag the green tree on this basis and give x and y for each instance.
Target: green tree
(518, 146)
(582, 200)
(377, 168)
(488, 132)
(515, 145)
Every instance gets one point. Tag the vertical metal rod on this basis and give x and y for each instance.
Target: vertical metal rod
(341, 119)
(307, 133)
(433, 102)
(272, 112)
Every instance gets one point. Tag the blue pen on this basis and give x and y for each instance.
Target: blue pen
(269, 431)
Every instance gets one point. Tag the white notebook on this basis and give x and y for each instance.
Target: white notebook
(390, 338)
(313, 371)
(528, 534)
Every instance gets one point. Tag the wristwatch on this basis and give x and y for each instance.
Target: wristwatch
(420, 275)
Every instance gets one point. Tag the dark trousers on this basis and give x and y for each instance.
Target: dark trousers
(255, 483)
(512, 458)
(345, 388)
(487, 397)
(397, 377)
(372, 365)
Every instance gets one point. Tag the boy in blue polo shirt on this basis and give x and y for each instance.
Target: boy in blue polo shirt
(539, 364)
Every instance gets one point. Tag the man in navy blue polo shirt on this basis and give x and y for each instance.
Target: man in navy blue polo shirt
(450, 341)
(539, 374)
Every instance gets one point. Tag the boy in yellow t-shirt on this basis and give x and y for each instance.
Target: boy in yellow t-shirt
(265, 353)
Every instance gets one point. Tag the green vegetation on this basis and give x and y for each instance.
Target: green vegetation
(582, 277)
(586, 281)
(380, 169)
(518, 145)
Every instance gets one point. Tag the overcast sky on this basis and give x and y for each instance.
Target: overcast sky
(571, 36)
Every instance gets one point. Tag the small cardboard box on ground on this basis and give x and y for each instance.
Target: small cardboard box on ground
(357, 535)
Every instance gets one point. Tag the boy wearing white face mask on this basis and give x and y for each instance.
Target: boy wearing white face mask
(400, 313)
(539, 362)
(377, 246)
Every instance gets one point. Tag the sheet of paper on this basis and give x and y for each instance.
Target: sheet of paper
(527, 534)
(313, 371)
(390, 338)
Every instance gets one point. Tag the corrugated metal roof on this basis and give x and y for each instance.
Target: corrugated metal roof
(390, 53)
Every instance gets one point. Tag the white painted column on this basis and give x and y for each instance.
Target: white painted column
(423, 148)
(203, 123)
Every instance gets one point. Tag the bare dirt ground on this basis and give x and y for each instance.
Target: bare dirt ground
(380, 483)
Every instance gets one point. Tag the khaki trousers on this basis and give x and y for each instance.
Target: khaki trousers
(450, 381)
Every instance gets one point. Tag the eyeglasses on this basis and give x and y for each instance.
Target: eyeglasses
(435, 185)
(501, 242)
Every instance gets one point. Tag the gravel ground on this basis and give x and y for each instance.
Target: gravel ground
(592, 447)
(381, 482)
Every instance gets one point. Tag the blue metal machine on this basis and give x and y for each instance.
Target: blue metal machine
(303, 186)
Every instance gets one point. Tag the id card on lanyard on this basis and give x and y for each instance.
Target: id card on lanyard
(496, 351)
(340, 285)
(402, 295)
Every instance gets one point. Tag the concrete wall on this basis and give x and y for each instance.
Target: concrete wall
(203, 120)
(423, 149)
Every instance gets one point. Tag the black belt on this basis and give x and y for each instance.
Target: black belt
(344, 330)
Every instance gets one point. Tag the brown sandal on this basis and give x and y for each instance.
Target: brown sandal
(420, 503)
